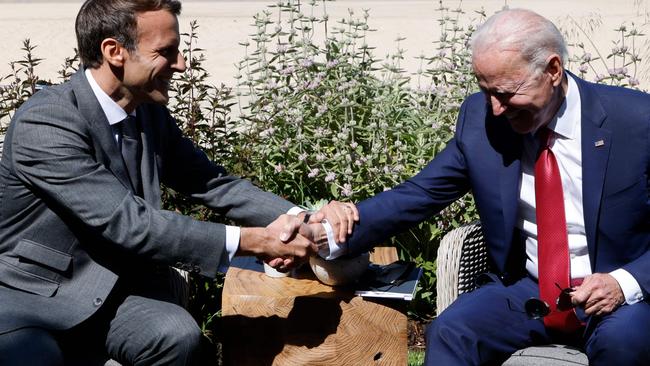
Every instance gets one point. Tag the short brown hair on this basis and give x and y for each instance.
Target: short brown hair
(101, 19)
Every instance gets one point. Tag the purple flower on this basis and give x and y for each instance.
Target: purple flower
(331, 64)
(282, 48)
(288, 70)
(330, 177)
(347, 190)
(313, 172)
(307, 62)
(279, 168)
(313, 84)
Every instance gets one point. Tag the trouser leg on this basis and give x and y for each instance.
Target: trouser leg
(141, 323)
(485, 326)
(621, 338)
(151, 328)
(29, 346)
(146, 331)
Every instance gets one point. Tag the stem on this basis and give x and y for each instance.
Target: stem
(600, 56)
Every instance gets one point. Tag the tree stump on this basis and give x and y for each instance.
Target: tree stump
(300, 321)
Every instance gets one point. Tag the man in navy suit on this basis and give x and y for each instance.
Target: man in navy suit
(601, 139)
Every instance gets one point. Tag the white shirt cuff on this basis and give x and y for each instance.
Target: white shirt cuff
(294, 211)
(629, 285)
(233, 234)
(333, 249)
(232, 245)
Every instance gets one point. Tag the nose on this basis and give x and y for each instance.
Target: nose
(497, 106)
(179, 65)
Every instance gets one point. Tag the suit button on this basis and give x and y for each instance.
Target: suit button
(98, 301)
(196, 269)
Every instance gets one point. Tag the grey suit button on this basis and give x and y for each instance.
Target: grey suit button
(98, 301)
(196, 269)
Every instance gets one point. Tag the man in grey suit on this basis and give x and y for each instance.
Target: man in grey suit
(85, 247)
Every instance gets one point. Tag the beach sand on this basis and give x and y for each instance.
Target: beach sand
(224, 24)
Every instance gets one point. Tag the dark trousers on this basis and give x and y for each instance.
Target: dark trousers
(486, 326)
(140, 323)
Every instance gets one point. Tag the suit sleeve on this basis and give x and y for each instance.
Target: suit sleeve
(188, 170)
(52, 154)
(440, 183)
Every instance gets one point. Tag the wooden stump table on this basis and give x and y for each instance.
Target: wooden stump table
(300, 321)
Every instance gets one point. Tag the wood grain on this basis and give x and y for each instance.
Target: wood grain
(300, 321)
(383, 255)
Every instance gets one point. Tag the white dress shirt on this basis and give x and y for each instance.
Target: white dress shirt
(566, 147)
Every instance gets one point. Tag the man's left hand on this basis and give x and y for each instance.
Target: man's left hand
(599, 294)
(341, 215)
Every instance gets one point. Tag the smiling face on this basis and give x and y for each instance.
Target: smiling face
(527, 98)
(148, 70)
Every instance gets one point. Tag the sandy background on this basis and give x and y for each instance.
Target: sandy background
(223, 24)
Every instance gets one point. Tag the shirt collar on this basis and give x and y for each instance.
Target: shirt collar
(114, 113)
(568, 116)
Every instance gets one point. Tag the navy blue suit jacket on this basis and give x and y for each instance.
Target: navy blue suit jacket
(484, 157)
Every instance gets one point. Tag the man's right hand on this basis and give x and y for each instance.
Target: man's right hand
(282, 244)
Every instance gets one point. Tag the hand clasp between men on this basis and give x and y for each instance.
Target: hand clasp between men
(288, 241)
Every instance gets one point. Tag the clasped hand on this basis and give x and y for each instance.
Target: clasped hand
(298, 240)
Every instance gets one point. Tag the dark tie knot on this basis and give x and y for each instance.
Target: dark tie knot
(129, 128)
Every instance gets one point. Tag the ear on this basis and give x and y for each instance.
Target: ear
(554, 69)
(113, 51)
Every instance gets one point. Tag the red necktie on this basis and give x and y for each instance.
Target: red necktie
(552, 237)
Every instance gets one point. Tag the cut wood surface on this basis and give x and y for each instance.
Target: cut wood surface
(300, 321)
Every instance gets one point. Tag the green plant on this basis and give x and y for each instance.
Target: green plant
(325, 118)
(621, 66)
(415, 358)
(22, 84)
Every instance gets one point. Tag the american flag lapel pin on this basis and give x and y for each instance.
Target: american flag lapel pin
(599, 143)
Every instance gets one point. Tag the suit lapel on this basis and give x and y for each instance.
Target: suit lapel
(100, 129)
(596, 145)
(509, 145)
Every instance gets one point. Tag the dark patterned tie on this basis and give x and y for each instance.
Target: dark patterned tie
(131, 147)
(552, 237)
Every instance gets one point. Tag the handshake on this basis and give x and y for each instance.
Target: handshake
(289, 240)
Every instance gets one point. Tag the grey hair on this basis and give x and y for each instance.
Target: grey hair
(527, 32)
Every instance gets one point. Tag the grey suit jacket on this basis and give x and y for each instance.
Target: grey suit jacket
(70, 225)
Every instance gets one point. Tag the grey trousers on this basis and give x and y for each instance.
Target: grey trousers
(141, 323)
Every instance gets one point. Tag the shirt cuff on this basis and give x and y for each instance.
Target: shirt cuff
(333, 249)
(294, 211)
(631, 289)
(233, 233)
(232, 245)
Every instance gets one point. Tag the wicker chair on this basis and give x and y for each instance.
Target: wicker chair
(461, 257)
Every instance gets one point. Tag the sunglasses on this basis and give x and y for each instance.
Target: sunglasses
(537, 308)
